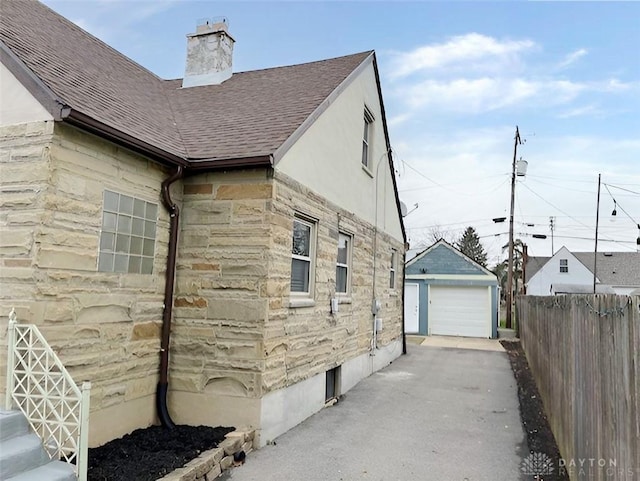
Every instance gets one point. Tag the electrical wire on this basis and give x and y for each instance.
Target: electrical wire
(620, 207)
(621, 188)
(560, 210)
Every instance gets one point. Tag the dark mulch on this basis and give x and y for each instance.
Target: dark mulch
(540, 438)
(151, 453)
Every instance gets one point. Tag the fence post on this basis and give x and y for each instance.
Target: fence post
(11, 341)
(83, 443)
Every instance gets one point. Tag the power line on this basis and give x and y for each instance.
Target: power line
(554, 206)
(621, 188)
(621, 208)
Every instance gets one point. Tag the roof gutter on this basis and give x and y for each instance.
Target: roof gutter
(163, 383)
(230, 163)
(94, 126)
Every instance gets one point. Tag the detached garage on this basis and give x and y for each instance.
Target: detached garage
(448, 294)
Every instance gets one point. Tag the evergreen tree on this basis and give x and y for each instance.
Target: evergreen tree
(469, 244)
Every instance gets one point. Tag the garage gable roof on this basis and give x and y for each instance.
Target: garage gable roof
(443, 258)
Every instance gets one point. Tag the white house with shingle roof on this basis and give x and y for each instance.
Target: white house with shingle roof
(227, 251)
(567, 272)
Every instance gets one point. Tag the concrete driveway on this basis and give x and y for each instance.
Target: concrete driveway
(438, 413)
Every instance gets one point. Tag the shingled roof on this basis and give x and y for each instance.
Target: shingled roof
(247, 117)
(613, 268)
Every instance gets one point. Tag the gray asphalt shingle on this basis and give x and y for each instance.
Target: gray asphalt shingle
(249, 115)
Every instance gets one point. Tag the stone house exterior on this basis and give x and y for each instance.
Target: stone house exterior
(241, 227)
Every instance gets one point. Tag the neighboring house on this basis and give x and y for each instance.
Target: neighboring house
(572, 273)
(241, 230)
(447, 293)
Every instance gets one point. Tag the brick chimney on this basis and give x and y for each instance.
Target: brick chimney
(209, 54)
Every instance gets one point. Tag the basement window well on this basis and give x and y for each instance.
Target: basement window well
(332, 387)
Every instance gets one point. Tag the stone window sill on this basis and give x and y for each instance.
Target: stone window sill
(302, 302)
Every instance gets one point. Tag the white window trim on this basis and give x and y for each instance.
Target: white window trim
(348, 265)
(565, 265)
(305, 299)
(393, 269)
(369, 121)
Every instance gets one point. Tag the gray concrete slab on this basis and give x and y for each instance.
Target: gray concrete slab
(443, 414)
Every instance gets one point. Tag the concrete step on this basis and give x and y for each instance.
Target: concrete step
(52, 471)
(21, 453)
(12, 423)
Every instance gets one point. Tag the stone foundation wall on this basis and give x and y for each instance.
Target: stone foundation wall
(104, 326)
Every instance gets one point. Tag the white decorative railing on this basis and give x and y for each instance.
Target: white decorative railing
(40, 386)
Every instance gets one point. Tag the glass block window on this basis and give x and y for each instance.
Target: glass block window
(128, 236)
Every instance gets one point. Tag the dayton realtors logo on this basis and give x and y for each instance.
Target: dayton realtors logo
(537, 464)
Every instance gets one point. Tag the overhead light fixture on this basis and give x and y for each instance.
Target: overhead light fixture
(499, 219)
(615, 211)
(539, 236)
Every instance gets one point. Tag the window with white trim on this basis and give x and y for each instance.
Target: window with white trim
(343, 264)
(302, 255)
(367, 137)
(393, 268)
(564, 265)
(128, 234)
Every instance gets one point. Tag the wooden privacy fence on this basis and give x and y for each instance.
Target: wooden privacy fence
(584, 353)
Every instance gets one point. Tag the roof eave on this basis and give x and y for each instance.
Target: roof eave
(105, 131)
(255, 161)
(56, 106)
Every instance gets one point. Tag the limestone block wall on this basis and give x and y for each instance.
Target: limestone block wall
(220, 311)
(303, 341)
(24, 175)
(104, 326)
(235, 335)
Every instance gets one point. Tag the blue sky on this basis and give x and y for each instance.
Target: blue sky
(457, 77)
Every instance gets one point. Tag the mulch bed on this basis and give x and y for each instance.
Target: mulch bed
(540, 438)
(151, 453)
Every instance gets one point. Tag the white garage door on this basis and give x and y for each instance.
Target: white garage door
(460, 311)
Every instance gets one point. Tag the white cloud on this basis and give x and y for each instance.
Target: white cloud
(572, 58)
(468, 50)
(487, 94)
(590, 109)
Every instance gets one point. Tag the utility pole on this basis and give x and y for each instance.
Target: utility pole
(510, 268)
(595, 251)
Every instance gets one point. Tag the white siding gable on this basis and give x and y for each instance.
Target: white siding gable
(549, 274)
(327, 158)
(17, 105)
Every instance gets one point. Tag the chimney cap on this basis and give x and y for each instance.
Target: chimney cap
(212, 24)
